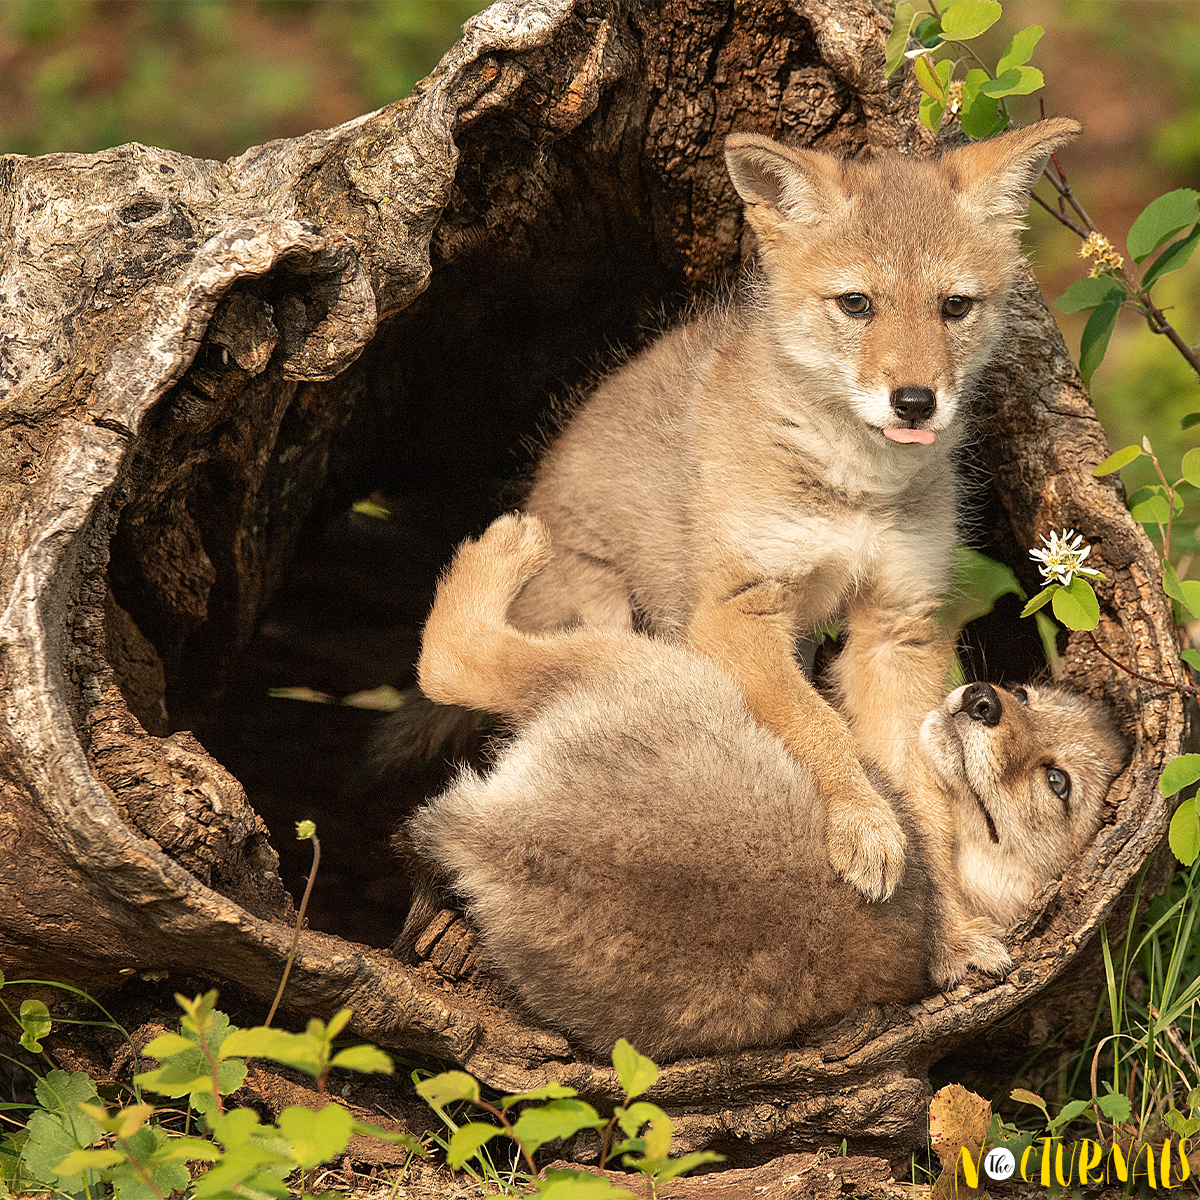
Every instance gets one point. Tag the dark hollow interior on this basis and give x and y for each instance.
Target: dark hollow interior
(439, 419)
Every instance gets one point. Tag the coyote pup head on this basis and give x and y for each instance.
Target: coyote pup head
(888, 275)
(1026, 770)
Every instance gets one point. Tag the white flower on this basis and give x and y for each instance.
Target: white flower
(1062, 558)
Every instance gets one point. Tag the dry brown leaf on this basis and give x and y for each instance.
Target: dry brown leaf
(957, 1119)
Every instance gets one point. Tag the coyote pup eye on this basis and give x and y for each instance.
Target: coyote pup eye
(855, 304)
(956, 307)
(1021, 694)
(1059, 783)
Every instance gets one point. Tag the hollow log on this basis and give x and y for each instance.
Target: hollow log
(203, 363)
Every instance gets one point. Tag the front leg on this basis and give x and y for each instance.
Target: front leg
(751, 631)
(892, 671)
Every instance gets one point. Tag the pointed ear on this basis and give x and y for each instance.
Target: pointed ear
(780, 184)
(995, 177)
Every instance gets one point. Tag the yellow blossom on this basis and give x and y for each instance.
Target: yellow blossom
(1097, 246)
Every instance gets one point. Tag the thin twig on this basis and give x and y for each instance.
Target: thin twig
(1062, 218)
(1185, 689)
(287, 970)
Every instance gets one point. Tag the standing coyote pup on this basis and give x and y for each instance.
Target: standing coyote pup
(645, 861)
(786, 462)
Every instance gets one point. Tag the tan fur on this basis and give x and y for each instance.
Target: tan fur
(732, 486)
(647, 861)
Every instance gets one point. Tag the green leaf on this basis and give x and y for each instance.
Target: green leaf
(168, 1044)
(631, 1119)
(185, 1068)
(556, 1119)
(185, 1075)
(1172, 258)
(552, 1091)
(1021, 1096)
(928, 31)
(933, 77)
(35, 1025)
(980, 116)
(1149, 505)
(1020, 49)
(1089, 293)
(316, 1137)
(1016, 81)
(188, 1149)
(1191, 657)
(1191, 419)
(369, 508)
(1185, 1127)
(1161, 219)
(897, 41)
(932, 111)
(1118, 459)
(340, 1019)
(1179, 773)
(446, 1088)
(367, 1059)
(150, 1146)
(304, 1051)
(669, 1168)
(1096, 333)
(658, 1136)
(1041, 599)
(466, 1141)
(579, 1185)
(1076, 605)
(976, 583)
(256, 1042)
(241, 1164)
(1067, 1114)
(1186, 591)
(1189, 468)
(79, 1161)
(1114, 1106)
(969, 18)
(60, 1126)
(635, 1071)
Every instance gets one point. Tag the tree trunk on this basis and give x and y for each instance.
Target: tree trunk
(203, 361)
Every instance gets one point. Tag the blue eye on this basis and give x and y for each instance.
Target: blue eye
(1059, 782)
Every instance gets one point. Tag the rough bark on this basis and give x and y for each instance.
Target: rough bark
(200, 360)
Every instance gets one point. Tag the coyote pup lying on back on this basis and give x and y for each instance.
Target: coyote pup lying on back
(777, 465)
(645, 861)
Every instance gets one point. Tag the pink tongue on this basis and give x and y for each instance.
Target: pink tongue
(925, 436)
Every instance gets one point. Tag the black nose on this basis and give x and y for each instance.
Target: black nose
(981, 703)
(913, 403)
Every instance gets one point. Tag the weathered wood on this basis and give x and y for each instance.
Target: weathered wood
(199, 357)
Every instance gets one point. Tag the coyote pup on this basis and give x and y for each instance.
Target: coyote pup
(647, 861)
(789, 461)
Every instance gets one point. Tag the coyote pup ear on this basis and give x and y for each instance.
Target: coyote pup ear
(780, 184)
(995, 177)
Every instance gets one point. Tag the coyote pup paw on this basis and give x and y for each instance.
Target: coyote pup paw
(866, 844)
(968, 946)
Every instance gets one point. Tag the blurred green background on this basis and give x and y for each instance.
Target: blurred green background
(207, 77)
(213, 77)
